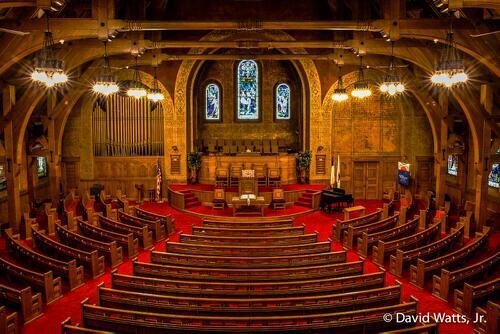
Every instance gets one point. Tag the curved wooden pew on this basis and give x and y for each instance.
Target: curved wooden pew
(165, 220)
(28, 303)
(68, 328)
(142, 233)
(51, 287)
(125, 240)
(419, 329)
(367, 240)
(68, 270)
(146, 302)
(245, 289)
(491, 318)
(423, 268)
(139, 322)
(353, 232)
(247, 262)
(109, 249)
(402, 258)
(246, 275)
(241, 232)
(250, 241)
(384, 248)
(442, 284)
(342, 225)
(158, 229)
(8, 321)
(464, 300)
(258, 224)
(218, 250)
(64, 252)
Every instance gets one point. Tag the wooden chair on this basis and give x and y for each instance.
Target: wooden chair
(274, 177)
(221, 177)
(274, 147)
(261, 175)
(219, 201)
(278, 201)
(266, 144)
(235, 175)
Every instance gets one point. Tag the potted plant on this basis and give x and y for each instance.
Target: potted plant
(194, 163)
(303, 164)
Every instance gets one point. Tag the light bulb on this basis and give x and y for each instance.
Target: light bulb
(59, 77)
(339, 97)
(460, 77)
(383, 87)
(155, 96)
(136, 92)
(391, 89)
(400, 87)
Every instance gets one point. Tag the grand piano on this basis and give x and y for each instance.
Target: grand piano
(335, 198)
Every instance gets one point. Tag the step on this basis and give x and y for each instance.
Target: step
(306, 204)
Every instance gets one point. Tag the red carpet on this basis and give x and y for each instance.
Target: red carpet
(316, 221)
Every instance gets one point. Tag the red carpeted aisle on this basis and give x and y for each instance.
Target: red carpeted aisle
(316, 221)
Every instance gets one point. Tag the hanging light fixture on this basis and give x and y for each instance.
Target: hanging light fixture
(155, 93)
(136, 90)
(361, 89)
(105, 83)
(340, 93)
(392, 83)
(48, 69)
(450, 70)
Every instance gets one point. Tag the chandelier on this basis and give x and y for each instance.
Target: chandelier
(361, 89)
(105, 83)
(136, 90)
(392, 83)
(450, 70)
(155, 93)
(47, 68)
(340, 93)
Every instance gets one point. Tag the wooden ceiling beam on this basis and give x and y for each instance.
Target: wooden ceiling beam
(458, 4)
(12, 4)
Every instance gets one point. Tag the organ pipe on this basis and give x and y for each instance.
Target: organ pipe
(127, 127)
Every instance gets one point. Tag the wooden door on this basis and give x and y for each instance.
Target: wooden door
(366, 180)
(424, 175)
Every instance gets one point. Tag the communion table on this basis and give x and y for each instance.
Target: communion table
(248, 204)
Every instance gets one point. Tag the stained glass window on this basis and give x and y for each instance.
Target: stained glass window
(494, 177)
(41, 169)
(212, 102)
(248, 90)
(3, 180)
(282, 101)
(453, 164)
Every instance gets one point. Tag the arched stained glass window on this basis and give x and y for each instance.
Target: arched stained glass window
(282, 101)
(453, 165)
(212, 102)
(248, 90)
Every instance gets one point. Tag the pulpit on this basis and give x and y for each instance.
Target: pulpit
(248, 182)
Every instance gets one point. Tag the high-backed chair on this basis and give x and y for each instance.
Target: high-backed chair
(219, 201)
(261, 175)
(278, 201)
(274, 177)
(266, 147)
(248, 185)
(257, 146)
(222, 177)
(235, 175)
(274, 146)
(212, 146)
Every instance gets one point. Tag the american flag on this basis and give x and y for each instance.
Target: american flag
(158, 180)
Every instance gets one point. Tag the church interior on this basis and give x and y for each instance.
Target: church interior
(249, 166)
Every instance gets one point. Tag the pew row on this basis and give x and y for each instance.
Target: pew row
(45, 282)
(261, 224)
(353, 232)
(491, 316)
(342, 225)
(246, 275)
(247, 262)
(464, 300)
(125, 240)
(66, 269)
(385, 248)
(109, 249)
(249, 241)
(423, 269)
(68, 328)
(245, 289)
(419, 329)
(8, 321)
(145, 302)
(367, 240)
(155, 226)
(442, 284)
(217, 250)
(64, 252)
(127, 321)
(142, 233)
(165, 220)
(267, 232)
(29, 304)
(402, 258)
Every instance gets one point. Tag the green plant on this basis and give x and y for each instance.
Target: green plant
(305, 160)
(194, 160)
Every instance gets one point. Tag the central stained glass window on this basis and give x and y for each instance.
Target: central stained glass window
(248, 90)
